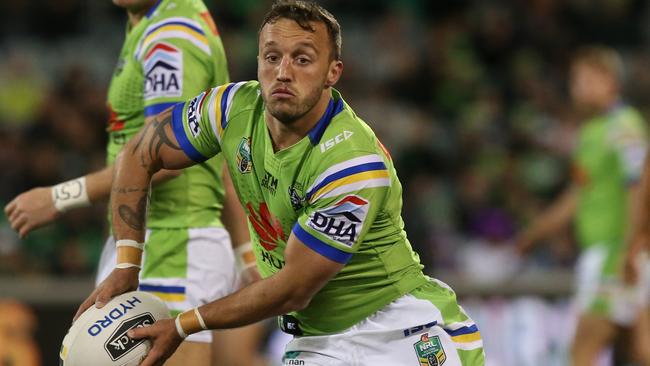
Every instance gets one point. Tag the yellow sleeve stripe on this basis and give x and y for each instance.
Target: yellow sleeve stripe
(217, 110)
(465, 338)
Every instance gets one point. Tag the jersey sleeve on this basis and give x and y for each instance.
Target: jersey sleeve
(176, 61)
(342, 204)
(200, 124)
(630, 140)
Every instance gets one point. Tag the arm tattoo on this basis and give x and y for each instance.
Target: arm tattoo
(158, 139)
(134, 219)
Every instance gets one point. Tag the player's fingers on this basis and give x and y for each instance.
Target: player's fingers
(85, 305)
(18, 222)
(24, 230)
(154, 358)
(14, 215)
(139, 333)
(10, 207)
(103, 297)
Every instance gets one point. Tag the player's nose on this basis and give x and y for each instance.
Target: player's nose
(284, 71)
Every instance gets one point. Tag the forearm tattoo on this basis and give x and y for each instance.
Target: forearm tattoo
(157, 140)
(134, 219)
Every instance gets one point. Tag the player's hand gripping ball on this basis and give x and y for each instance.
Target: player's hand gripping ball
(99, 337)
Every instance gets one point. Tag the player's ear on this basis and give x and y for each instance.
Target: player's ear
(334, 72)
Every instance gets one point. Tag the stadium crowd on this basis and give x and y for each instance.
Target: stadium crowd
(469, 97)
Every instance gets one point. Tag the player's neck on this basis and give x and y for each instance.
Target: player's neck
(284, 135)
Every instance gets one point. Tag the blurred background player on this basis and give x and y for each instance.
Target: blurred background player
(172, 51)
(602, 200)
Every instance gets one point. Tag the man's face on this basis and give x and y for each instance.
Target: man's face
(590, 87)
(294, 66)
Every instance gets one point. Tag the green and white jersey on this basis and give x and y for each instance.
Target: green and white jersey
(609, 157)
(171, 55)
(336, 190)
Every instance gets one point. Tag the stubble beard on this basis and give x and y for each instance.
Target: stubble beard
(296, 110)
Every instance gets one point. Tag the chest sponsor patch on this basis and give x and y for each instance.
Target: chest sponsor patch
(163, 72)
(343, 221)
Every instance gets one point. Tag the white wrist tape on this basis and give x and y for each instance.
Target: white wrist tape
(126, 265)
(189, 322)
(129, 243)
(129, 253)
(70, 194)
(179, 327)
(201, 321)
(244, 256)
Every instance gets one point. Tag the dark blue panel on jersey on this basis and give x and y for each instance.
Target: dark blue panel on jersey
(321, 247)
(154, 109)
(333, 108)
(179, 132)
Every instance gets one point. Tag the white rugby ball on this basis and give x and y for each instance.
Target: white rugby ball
(99, 337)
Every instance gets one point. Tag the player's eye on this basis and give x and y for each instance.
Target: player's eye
(303, 60)
(272, 58)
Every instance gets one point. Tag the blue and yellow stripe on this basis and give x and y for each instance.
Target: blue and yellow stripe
(178, 27)
(354, 174)
(165, 293)
(465, 334)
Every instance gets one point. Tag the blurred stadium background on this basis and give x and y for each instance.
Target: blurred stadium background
(470, 97)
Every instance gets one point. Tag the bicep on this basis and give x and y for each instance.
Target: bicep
(307, 271)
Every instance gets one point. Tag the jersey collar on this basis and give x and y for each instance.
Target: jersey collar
(153, 8)
(334, 107)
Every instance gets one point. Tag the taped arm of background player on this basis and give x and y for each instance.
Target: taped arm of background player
(142, 157)
(235, 221)
(557, 216)
(35, 208)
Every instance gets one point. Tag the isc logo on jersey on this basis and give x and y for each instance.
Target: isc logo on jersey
(328, 144)
(343, 221)
(163, 72)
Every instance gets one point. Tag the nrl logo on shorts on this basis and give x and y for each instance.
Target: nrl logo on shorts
(429, 351)
(244, 158)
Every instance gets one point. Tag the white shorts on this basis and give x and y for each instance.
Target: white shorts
(184, 267)
(606, 294)
(394, 336)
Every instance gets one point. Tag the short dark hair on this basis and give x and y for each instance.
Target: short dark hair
(303, 13)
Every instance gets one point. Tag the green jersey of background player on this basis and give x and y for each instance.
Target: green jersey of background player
(170, 55)
(171, 52)
(324, 204)
(603, 200)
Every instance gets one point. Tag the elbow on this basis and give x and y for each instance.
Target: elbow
(297, 302)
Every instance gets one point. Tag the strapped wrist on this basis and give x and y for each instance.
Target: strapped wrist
(129, 253)
(71, 194)
(244, 256)
(189, 322)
